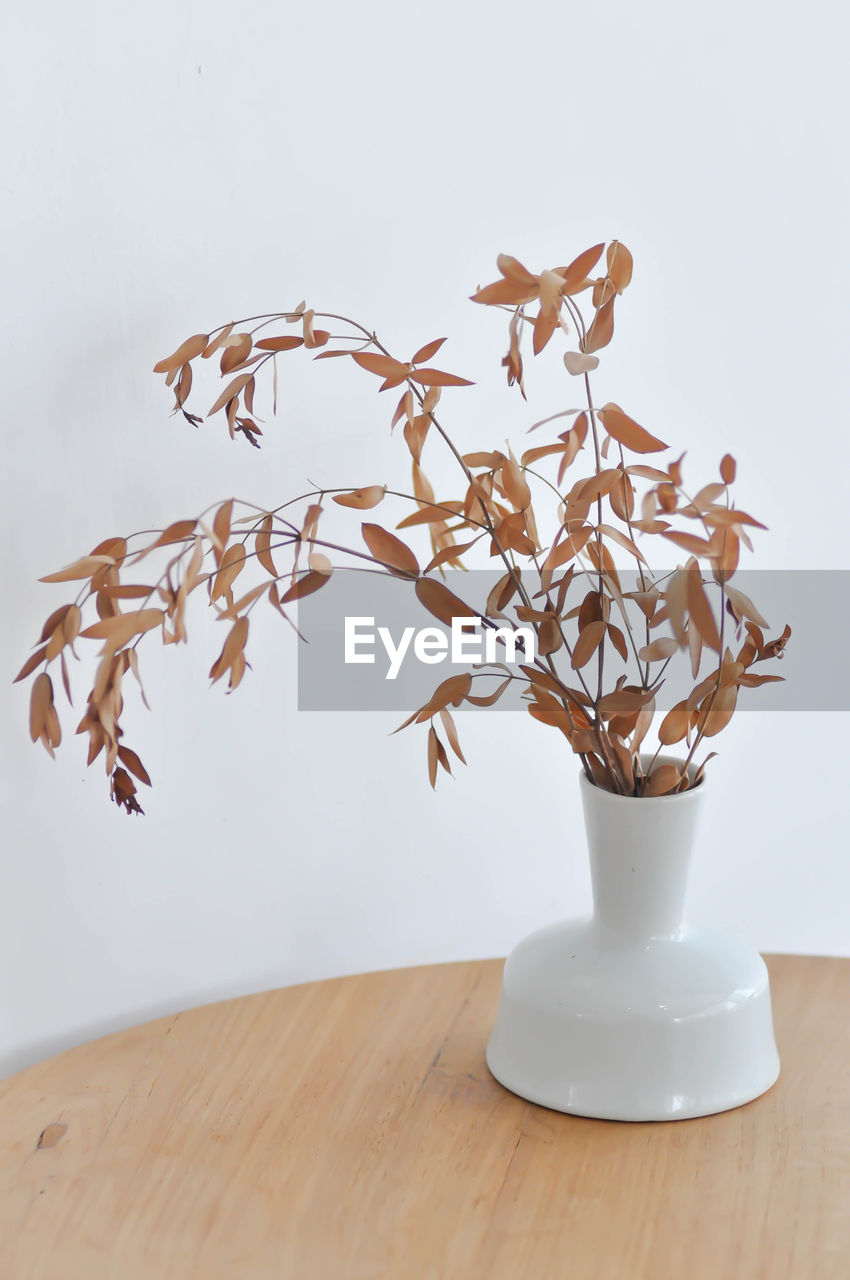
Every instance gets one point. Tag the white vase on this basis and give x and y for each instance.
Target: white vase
(630, 1014)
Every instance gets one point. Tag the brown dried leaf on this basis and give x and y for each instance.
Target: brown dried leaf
(52, 735)
(249, 406)
(601, 330)
(700, 773)
(453, 691)
(231, 392)
(614, 535)
(487, 700)
(601, 773)
(179, 531)
(451, 553)
(392, 371)
(719, 712)
(286, 344)
(577, 362)
(362, 499)
(231, 652)
(543, 451)
(588, 642)
(234, 610)
(41, 700)
(702, 501)
(236, 350)
(509, 532)
(433, 756)
(451, 733)
(645, 717)
(552, 713)
(688, 542)
(437, 378)
(623, 702)
(431, 515)
(620, 265)
(597, 485)
(429, 350)
(66, 683)
(615, 635)
(627, 432)
(319, 561)
(507, 291)
(128, 591)
(726, 562)
(624, 760)
(133, 665)
(545, 323)
(743, 607)
(568, 547)
(56, 619)
(549, 637)
(221, 526)
(115, 547)
(33, 661)
(262, 544)
(134, 764)
(404, 409)
(441, 602)
(313, 337)
(658, 650)
(675, 725)
(514, 484)
(232, 564)
(699, 693)
(305, 586)
(415, 434)
(701, 613)
(502, 593)
(71, 624)
(217, 343)
(187, 350)
(85, 567)
(575, 276)
(116, 631)
(489, 460)
(622, 499)
(663, 780)
(184, 387)
(694, 649)
(390, 551)
(513, 269)
(442, 758)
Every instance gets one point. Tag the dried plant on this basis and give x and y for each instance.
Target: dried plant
(554, 578)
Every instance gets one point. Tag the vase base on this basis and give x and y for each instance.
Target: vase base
(667, 1029)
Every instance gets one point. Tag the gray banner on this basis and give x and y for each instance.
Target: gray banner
(371, 646)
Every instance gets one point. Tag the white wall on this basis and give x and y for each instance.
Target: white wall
(170, 166)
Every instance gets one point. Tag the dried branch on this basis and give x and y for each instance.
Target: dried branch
(282, 554)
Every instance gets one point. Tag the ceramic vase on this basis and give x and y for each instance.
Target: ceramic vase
(630, 1014)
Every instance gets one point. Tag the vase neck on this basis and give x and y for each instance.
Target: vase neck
(640, 854)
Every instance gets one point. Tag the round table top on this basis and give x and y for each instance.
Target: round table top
(350, 1129)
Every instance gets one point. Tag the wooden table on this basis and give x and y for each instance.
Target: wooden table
(350, 1130)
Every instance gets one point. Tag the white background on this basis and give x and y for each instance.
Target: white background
(172, 166)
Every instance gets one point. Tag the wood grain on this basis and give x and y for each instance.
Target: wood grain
(350, 1130)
